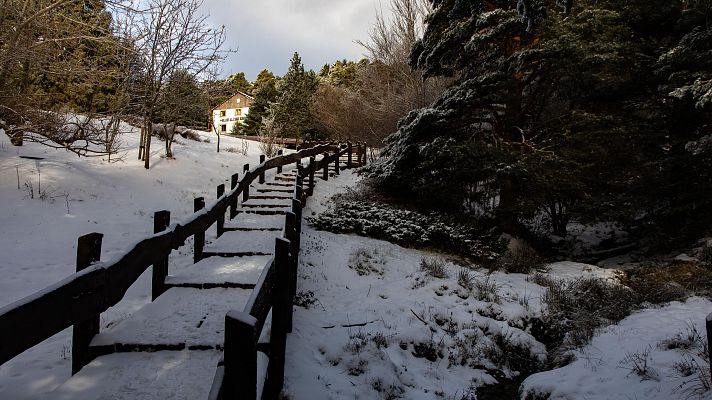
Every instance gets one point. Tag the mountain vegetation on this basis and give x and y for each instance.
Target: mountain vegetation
(559, 112)
(105, 59)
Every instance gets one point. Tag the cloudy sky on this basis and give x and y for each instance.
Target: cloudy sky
(267, 32)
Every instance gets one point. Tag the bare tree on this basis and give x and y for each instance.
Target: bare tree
(390, 40)
(69, 42)
(268, 135)
(171, 35)
(93, 135)
(387, 89)
(334, 108)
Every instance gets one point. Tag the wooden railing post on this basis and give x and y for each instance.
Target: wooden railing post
(233, 202)
(325, 160)
(221, 217)
(297, 210)
(708, 325)
(282, 305)
(262, 175)
(312, 171)
(240, 379)
(198, 238)
(246, 192)
(88, 252)
(363, 150)
(161, 221)
(299, 193)
(358, 154)
(290, 234)
(279, 154)
(349, 156)
(337, 161)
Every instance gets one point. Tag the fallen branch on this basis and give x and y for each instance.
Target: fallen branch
(420, 319)
(349, 325)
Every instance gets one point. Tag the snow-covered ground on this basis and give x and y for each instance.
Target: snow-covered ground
(371, 324)
(652, 354)
(374, 325)
(74, 196)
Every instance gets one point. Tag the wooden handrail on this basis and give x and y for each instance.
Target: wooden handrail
(31, 320)
(275, 290)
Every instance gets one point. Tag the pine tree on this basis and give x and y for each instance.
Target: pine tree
(265, 93)
(555, 113)
(293, 109)
(238, 83)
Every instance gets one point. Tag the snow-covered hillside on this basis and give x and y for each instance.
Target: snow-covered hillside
(370, 323)
(74, 196)
(374, 325)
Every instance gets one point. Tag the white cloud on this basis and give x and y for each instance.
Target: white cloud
(267, 32)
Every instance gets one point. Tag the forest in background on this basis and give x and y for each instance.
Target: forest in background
(525, 116)
(561, 112)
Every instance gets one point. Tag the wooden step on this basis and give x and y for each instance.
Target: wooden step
(264, 211)
(256, 242)
(247, 221)
(225, 272)
(267, 190)
(180, 318)
(279, 184)
(270, 197)
(175, 375)
(264, 204)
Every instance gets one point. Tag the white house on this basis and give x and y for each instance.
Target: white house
(233, 111)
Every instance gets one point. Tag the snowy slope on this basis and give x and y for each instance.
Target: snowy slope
(356, 336)
(38, 236)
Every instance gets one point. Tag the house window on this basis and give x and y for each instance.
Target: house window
(238, 111)
(223, 128)
(222, 113)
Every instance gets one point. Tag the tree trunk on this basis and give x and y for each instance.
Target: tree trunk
(141, 142)
(170, 130)
(505, 213)
(147, 146)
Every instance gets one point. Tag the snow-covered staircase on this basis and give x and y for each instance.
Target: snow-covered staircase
(216, 328)
(170, 348)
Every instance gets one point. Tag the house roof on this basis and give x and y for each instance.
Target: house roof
(245, 100)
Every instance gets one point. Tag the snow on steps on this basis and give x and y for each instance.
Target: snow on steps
(171, 348)
(273, 190)
(211, 272)
(269, 203)
(176, 375)
(179, 318)
(240, 243)
(273, 196)
(247, 222)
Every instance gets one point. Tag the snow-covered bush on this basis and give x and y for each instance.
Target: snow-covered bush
(676, 281)
(519, 259)
(574, 309)
(408, 228)
(367, 262)
(434, 267)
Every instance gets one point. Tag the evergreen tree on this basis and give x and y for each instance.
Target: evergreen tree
(265, 93)
(554, 113)
(264, 77)
(342, 74)
(238, 83)
(293, 110)
(179, 101)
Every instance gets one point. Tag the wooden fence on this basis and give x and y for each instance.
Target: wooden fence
(79, 299)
